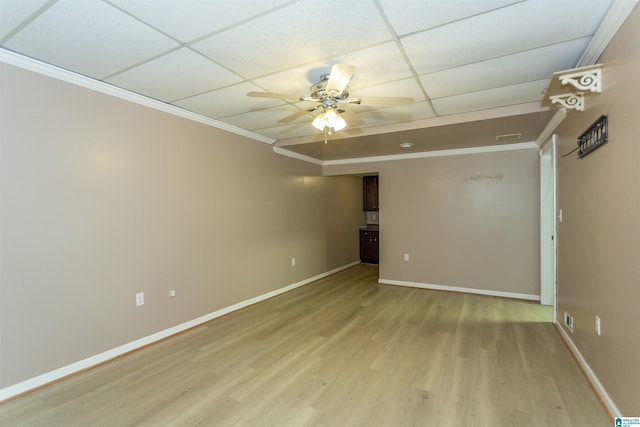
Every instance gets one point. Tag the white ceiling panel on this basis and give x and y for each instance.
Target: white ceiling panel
(199, 18)
(508, 30)
(507, 70)
(191, 73)
(266, 118)
(14, 12)
(403, 88)
(228, 101)
(388, 115)
(89, 37)
(301, 33)
(409, 16)
(375, 65)
(482, 100)
(291, 131)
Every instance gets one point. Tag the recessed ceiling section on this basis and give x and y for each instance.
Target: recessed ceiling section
(449, 137)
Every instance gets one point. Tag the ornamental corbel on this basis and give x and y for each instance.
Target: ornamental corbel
(590, 80)
(569, 101)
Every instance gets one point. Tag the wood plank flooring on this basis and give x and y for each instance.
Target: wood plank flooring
(344, 351)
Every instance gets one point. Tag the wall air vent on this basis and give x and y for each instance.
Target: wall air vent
(509, 137)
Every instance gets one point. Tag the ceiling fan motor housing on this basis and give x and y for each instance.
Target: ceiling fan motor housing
(319, 92)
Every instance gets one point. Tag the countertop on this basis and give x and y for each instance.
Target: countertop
(370, 227)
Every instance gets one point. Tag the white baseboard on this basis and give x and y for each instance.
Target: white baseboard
(591, 376)
(57, 374)
(460, 289)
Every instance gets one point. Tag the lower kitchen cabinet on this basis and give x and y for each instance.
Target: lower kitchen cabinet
(369, 246)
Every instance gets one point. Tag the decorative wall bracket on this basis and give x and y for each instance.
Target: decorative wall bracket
(568, 88)
(569, 100)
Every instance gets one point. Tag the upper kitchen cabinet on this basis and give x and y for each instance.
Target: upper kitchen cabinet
(370, 193)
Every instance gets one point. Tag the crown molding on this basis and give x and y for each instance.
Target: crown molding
(555, 121)
(298, 156)
(424, 154)
(617, 14)
(30, 64)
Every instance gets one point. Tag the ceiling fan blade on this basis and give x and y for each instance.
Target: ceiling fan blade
(292, 117)
(351, 118)
(339, 78)
(387, 101)
(274, 95)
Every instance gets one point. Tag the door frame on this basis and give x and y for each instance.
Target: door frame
(548, 225)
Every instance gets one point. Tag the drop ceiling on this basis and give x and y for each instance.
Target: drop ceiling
(476, 68)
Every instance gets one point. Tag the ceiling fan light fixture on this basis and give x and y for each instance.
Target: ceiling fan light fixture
(331, 119)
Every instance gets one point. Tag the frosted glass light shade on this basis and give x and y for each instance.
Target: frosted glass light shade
(330, 118)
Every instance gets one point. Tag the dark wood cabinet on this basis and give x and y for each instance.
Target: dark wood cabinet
(370, 193)
(369, 246)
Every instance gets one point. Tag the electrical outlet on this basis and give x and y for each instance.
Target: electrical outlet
(139, 299)
(568, 321)
(406, 257)
(293, 262)
(172, 293)
(598, 330)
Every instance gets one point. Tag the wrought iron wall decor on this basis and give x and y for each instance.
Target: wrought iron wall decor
(596, 135)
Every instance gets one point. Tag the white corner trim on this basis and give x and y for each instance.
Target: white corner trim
(24, 62)
(438, 153)
(591, 376)
(460, 289)
(613, 20)
(288, 153)
(90, 362)
(555, 121)
(421, 155)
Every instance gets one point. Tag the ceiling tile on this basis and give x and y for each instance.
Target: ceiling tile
(198, 18)
(409, 16)
(266, 118)
(375, 65)
(506, 95)
(15, 12)
(226, 102)
(290, 131)
(512, 29)
(402, 88)
(507, 70)
(293, 36)
(89, 37)
(190, 72)
(397, 114)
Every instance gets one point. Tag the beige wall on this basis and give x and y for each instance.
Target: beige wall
(599, 238)
(102, 198)
(468, 221)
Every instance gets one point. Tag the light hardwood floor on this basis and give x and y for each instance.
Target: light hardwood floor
(344, 351)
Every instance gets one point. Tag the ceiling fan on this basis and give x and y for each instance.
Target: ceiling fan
(331, 95)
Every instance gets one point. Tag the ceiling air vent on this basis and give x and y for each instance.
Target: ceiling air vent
(509, 137)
